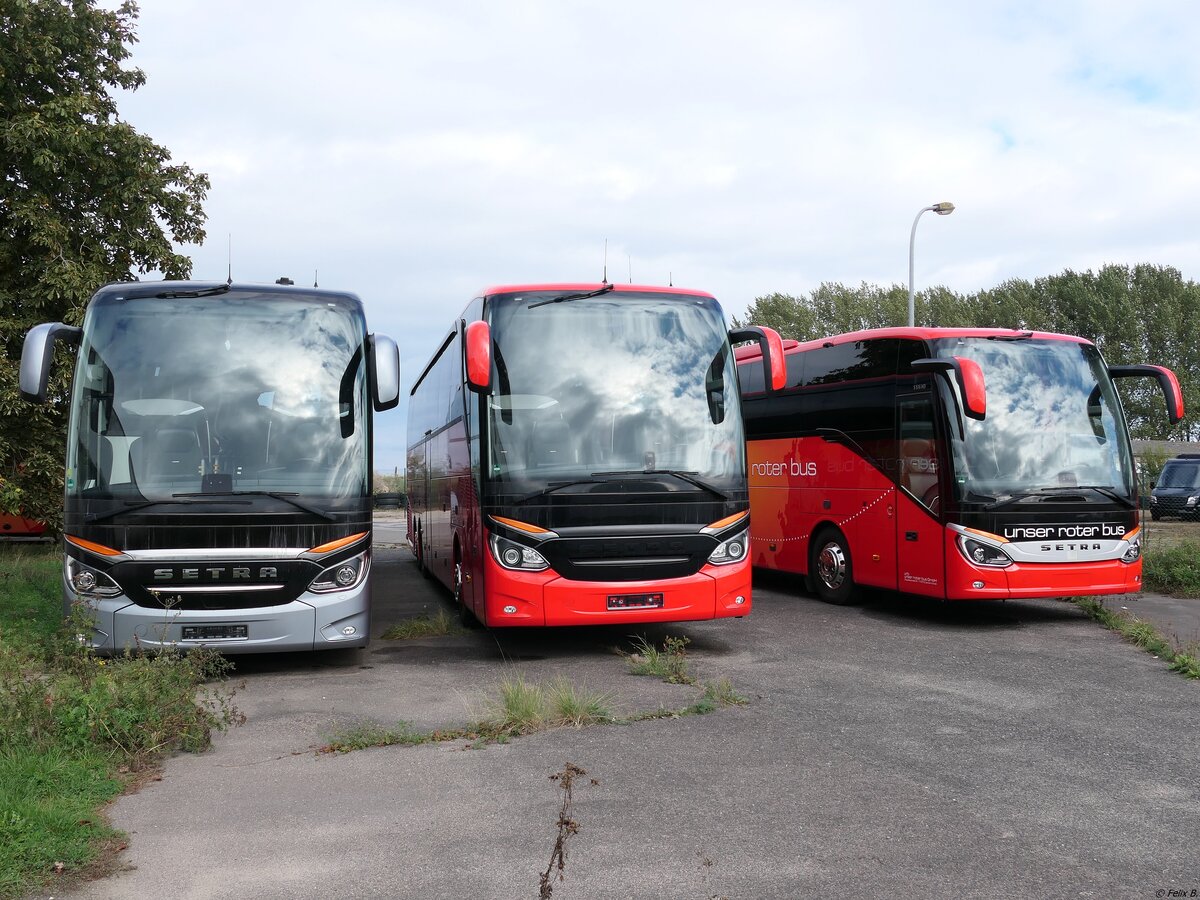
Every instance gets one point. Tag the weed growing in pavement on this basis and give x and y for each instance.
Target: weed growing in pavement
(669, 663)
(521, 707)
(1175, 570)
(717, 695)
(567, 828)
(1144, 635)
(440, 624)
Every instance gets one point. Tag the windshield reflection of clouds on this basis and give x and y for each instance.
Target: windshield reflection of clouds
(172, 390)
(613, 384)
(1053, 419)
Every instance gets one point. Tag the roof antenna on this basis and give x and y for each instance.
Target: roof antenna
(604, 279)
(629, 259)
(314, 278)
(670, 279)
(229, 279)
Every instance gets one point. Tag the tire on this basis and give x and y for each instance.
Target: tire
(830, 568)
(1155, 515)
(465, 615)
(421, 567)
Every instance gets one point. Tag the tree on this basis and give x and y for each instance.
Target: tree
(85, 199)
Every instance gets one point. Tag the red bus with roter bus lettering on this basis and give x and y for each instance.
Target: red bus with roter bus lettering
(949, 462)
(576, 456)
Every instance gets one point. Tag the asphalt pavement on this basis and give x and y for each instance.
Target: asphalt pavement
(896, 748)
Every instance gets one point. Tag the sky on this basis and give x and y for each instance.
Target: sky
(416, 153)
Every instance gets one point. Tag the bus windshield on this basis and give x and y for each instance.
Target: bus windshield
(240, 392)
(1054, 421)
(591, 388)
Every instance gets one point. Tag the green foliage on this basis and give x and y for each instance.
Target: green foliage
(668, 663)
(1173, 570)
(1143, 635)
(1139, 314)
(48, 803)
(1150, 464)
(70, 722)
(717, 695)
(520, 707)
(388, 484)
(30, 594)
(526, 707)
(371, 734)
(440, 624)
(85, 199)
(1186, 664)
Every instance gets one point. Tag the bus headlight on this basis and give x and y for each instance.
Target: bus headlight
(344, 576)
(731, 550)
(512, 555)
(87, 582)
(982, 554)
(1134, 552)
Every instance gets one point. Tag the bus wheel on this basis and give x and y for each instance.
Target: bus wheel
(421, 567)
(464, 615)
(830, 568)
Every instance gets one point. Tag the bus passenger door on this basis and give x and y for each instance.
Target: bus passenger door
(920, 549)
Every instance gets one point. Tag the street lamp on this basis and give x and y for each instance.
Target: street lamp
(942, 209)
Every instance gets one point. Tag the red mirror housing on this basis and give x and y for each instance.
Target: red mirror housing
(974, 391)
(1166, 380)
(967, 375)
(771, 346)
(478, 347)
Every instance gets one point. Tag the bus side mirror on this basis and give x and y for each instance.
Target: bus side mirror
(968, 376)
(37, 355)
(771, 345)
(479, 357)
(385, 372)
(1166, 380)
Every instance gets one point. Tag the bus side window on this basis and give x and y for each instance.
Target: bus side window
(918, 452)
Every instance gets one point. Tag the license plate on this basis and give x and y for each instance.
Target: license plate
(635, 601)
(216, 632)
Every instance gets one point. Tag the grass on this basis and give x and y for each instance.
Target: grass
(1142, 634)
(440, 624)
(668, 662)
(28, 614)
(74, 727)
(1174, 570)
(521, 707)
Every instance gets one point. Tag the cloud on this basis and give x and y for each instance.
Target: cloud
(416, 153)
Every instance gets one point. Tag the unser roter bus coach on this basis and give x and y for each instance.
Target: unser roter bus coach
(576, 456)
(218, 468)
(952, 463)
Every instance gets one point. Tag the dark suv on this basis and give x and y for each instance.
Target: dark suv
(1177, 491)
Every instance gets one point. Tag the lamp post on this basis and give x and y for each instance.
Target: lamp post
(942, 209)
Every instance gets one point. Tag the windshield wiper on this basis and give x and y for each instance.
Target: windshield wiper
(976, 497)
(135, 506)
(202, 292)
(286, 497)
(565, 297)
(557, 486)
(1107, 492)
(1065, 489)
(689, 477)
(1010, 500)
